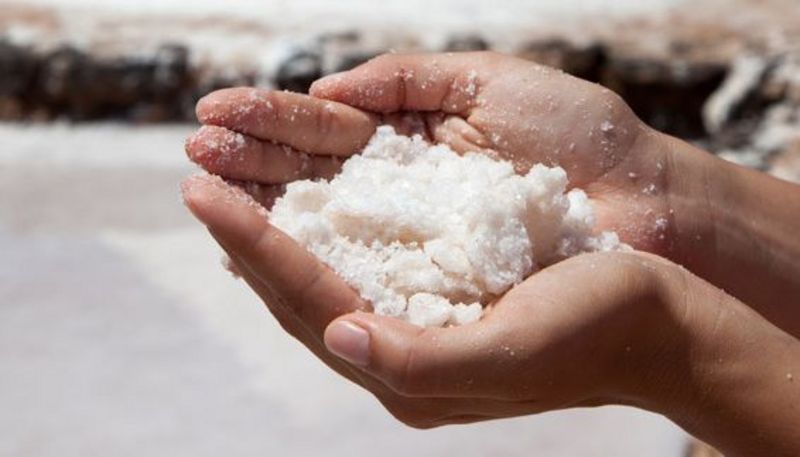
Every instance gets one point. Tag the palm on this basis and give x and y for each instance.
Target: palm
(599, 155)
(537, 331)
(525, 113)
(502, 106)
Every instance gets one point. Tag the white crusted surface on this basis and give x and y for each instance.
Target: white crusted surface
(427, 235)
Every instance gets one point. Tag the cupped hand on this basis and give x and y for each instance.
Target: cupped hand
(543, 346)
(485, 102)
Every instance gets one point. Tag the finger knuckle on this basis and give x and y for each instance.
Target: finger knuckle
(265, 242)
(618, 108)
(324, 119)
(259, 105)
(637, 270)
(408, 378)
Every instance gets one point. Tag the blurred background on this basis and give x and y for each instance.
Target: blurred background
(120, 334)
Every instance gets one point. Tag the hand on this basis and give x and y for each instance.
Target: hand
(636, 180)
(503, 106)
(639, 331)
(304, 136)
(543, 346)
(661, 195)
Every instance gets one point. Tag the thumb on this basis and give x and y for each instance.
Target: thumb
(415, 361)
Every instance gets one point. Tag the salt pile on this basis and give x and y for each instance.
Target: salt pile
(432, 237)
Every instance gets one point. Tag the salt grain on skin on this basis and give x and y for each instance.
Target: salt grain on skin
(228, 264)
(472, 87)
(430, 236)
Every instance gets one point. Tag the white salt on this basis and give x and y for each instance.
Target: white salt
(606, 126)
(432, 237)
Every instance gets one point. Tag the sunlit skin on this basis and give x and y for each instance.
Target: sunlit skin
(612, 328)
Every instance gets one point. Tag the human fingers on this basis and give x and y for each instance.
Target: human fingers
(287, 320)
(541, 341)
(310, 289)
(410, 82)
(305, 123)
(422, 362)
(242, 157)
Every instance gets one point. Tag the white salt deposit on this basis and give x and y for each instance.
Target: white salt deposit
(433, 237)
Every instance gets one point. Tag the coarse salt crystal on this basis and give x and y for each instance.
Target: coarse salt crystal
(431, 236)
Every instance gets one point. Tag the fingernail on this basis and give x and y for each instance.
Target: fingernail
(348, 341)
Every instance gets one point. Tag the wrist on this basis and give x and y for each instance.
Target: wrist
(692, 177)
(724, 374)
(722, 214)
(646, 366)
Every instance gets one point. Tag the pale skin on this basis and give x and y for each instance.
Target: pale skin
(631, 328)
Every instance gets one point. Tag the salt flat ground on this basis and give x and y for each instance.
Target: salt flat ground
(120, 334)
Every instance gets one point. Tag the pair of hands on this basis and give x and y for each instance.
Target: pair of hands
(547, 344)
